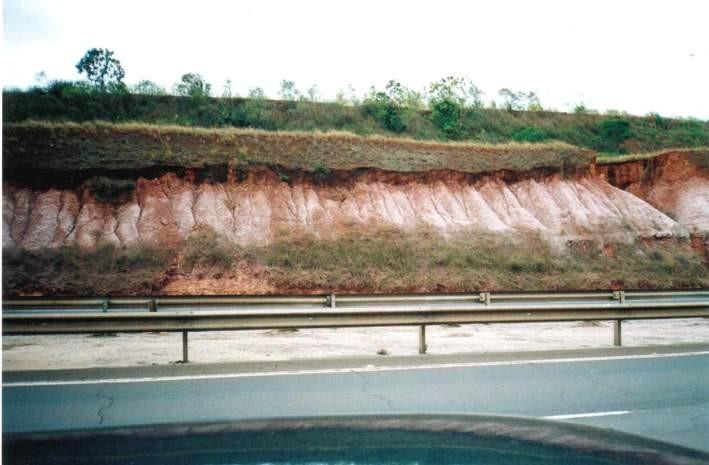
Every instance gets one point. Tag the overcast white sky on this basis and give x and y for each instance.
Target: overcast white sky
(631, 55)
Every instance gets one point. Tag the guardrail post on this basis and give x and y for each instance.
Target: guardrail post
(332, 301)
(422, 339)
(104, 306)
(152, 306)
(185, 357)
(617, 325)
(619, 296)
(485, 298)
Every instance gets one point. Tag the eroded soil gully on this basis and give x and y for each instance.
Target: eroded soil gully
(263, 204)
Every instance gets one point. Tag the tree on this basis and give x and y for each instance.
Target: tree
(580, 108)
(193, 85)
(103, 70)
(289, 91)
(458, 90)
(533, 103)
(448, 98)
(313, 93)
(226, 89)
(511, 100)
(41, 79)
(520, 100)
(387, 106)
(147, 87)
(257, 93)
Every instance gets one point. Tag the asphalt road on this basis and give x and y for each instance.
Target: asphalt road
(661, 393)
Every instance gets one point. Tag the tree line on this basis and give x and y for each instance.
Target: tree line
(452, 108)
(104, 73)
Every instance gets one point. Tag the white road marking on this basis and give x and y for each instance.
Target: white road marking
(586, 415)
(364, 369)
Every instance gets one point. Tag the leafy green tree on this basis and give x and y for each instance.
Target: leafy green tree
(387, 106)
(448, 98)
(103, 70)
(447, 115)
(193, 85)
(147, 87)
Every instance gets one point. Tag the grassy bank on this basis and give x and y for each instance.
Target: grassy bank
(424, 263)
(383, 262)
(105, 146)
(72, 271)
(696, 155)
(615, 133)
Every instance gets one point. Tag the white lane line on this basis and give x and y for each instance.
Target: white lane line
(586, 415)
(364, 369)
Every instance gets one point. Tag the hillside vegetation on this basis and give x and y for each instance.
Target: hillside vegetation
(105, 146)
(385, 261)
(605, 133)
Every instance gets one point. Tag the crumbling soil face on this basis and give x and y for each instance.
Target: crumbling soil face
(671, 182)
(258, 207)
(243, 278)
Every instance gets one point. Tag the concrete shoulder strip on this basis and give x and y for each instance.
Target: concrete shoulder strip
(363, 369)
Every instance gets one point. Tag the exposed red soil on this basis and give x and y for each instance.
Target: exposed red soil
(673, 183)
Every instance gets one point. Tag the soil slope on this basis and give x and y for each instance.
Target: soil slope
(262, 207)
(675, 183)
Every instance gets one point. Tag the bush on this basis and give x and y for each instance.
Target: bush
(385, 111)
(447, 119)
(530, 134)
(613, 133)
(70, 270)
(446, 115)
(389, 261)
(321, 172)
(204, 248)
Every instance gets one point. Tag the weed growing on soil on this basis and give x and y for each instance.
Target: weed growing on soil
(381, 261)
(72, 271)
(204, 249)
(392, 262)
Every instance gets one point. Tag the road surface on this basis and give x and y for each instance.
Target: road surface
(657, 392)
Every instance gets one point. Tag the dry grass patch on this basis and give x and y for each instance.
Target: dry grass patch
(382, 262)
(106, 146)
(697, 155)
(392, 262)
(73, 271)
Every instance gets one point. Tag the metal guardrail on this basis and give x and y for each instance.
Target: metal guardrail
(32, 316)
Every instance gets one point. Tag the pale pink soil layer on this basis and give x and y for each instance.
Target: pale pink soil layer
(263, 208)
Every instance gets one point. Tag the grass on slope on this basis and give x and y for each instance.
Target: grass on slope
(73, 271)
(697, 155)
(70, 103)
(106, 146)
(387, 261)
(390, 262)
